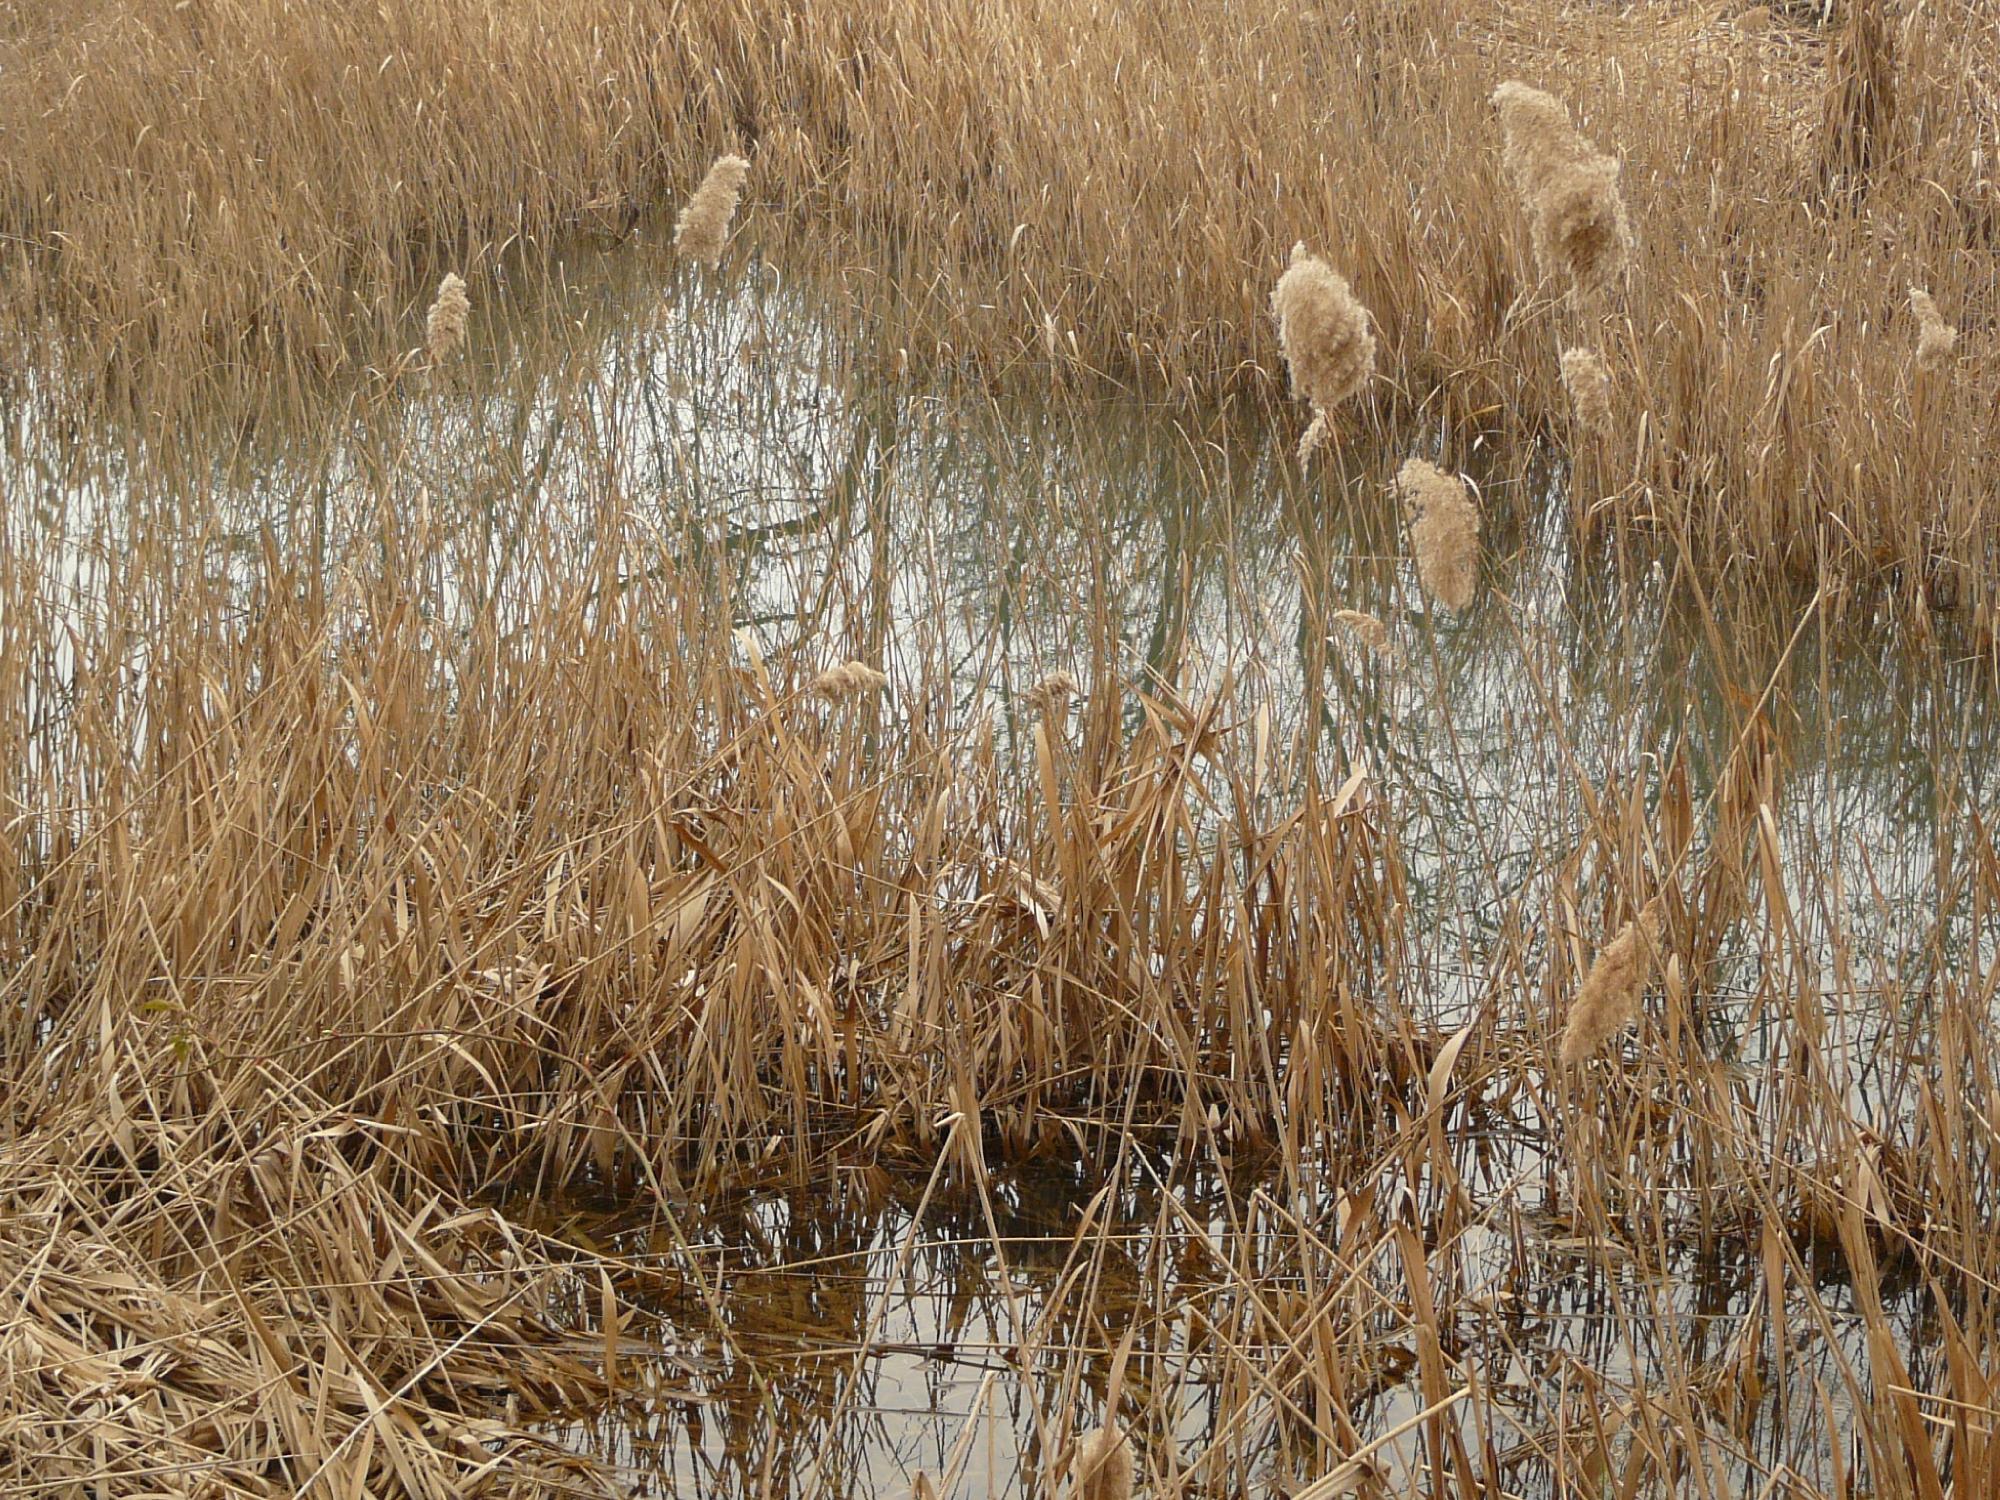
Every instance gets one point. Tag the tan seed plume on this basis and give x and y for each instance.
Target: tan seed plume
(852, 679)
(1589, 385)
(1365, 628)
(1576, 213)
(1608, 999)
(1444, 531)
(1936, 339)
(1102, 1468)
(444, 324)
(1324, 335)
(703, 227)
(1052, 696)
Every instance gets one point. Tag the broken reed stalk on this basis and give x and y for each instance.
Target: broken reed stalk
(1324, 336)
(1576, 212)
(702, 230)
(1444, 531)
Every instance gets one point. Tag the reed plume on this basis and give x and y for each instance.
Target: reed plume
(1444, 530)
(1365, 628)
(1102, 1468)
(1052, 696)
(444, 324)
(1608, 999)
(1935, 338)
(1323, 333)
(1576, 213)
(1589, 385)
(703, 227)
(853, 679)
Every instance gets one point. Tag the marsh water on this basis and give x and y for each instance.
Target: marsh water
(835, 1335)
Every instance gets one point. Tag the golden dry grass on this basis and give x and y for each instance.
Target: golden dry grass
(283, 201)
(416, 866)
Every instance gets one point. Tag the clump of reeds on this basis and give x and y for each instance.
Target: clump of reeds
(1589, 385)
(1608, 999)
(1444, 531)
(703, 227)
(444, 324)
(1858, 108)
(1102, 1468)
(1365, 628)
(1324, 335)
(1936, 339)
(853, 679)
(1576, 212)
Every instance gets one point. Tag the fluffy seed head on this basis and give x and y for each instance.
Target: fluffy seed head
(1608, 999)
(852, 679)
(1365, 628)
(1052, 696)
(1935, 338)
(1444, 531)
(1576, 213)
(1589, 385)
(703, 227)
(444, 324)
(1324, 335)
(1102, 1468)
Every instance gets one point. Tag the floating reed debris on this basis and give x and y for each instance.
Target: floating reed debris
(1935, 338)
(1102, 1468)
(1608, 999)
(444, 324)
(1576, 213)
(703, 227)
(1365, 628)
(1323, 333)
(1589, 385)
(1444, 531)
(853, 679)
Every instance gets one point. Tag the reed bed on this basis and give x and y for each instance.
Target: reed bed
(196, 192)
(459, 835)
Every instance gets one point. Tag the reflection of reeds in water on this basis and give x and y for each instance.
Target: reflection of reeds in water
(1576, 212)
(1324, 335)
(444, 324)
(703, 227)
(1444, 531)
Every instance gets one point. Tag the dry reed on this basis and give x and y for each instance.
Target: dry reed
(853, 679)
(1102, 1468)
(1576, 211)
(1365, 628)
(1608, 999)
(1589, 385)
(1324, 335)
(1444, 531)
(702, 230)
(1936, 339)
(444, 324)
